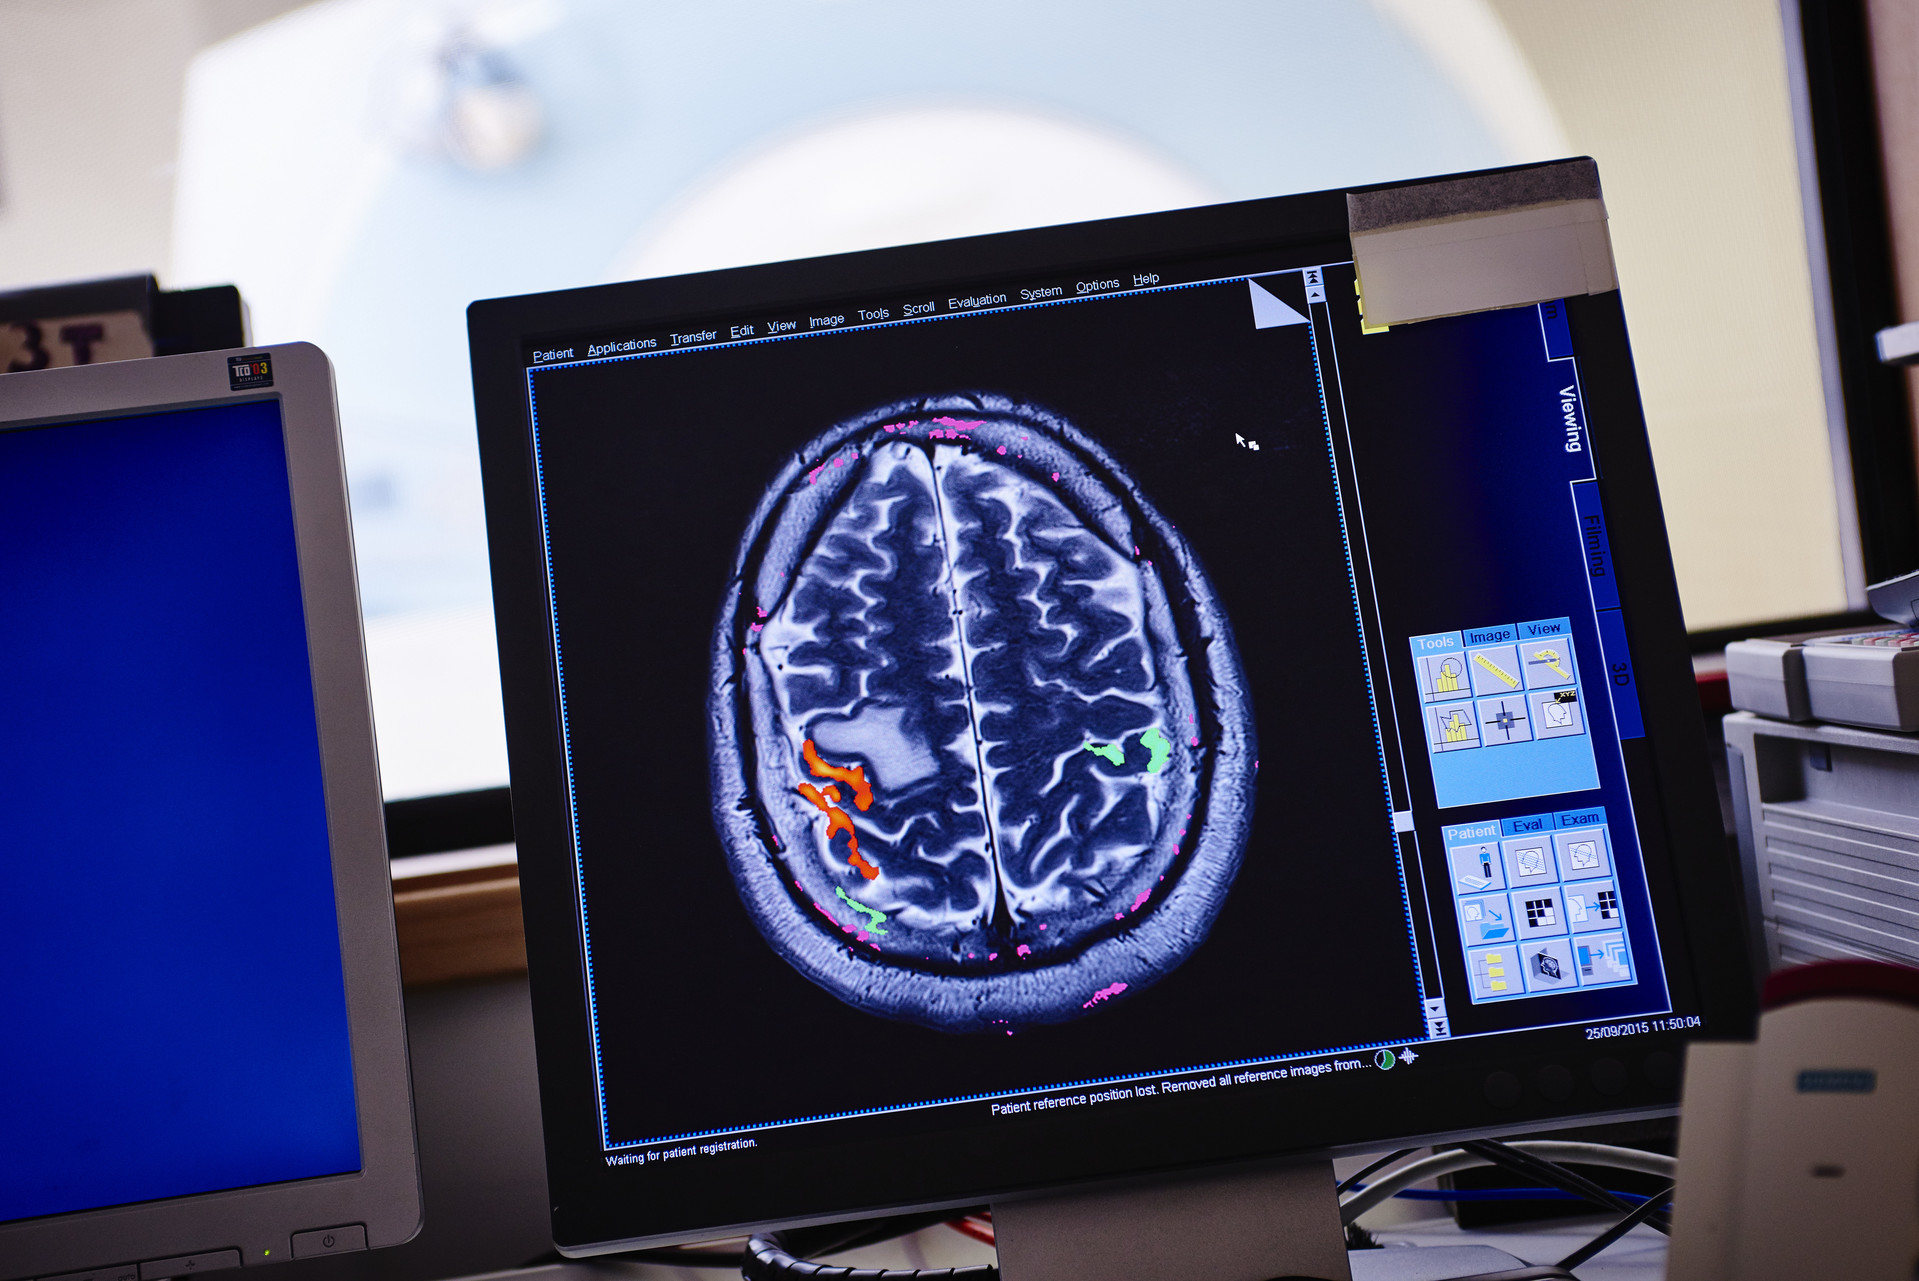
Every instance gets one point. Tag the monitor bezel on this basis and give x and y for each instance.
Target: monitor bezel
(384, 1195)
(587, 1202)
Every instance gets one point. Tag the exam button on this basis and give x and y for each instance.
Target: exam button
(329, 1241)
(187, 1265)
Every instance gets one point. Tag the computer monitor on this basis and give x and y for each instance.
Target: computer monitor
(994, 716)
(205, 1060)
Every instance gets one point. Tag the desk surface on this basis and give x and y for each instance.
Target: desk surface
(1639, 1256)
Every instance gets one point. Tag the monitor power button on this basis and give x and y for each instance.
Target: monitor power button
(329, 1241)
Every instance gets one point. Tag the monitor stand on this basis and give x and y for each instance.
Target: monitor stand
(1249, 1224)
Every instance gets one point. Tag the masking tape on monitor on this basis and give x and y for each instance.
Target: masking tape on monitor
(1472, 244)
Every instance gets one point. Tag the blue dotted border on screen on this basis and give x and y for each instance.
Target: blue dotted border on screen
(607, 1143)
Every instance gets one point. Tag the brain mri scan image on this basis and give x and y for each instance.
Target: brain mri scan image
(981, 748)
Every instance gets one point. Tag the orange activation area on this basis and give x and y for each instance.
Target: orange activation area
(827, 798)
(854, 778)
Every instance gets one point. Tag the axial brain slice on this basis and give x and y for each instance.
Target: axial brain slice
(981, 750)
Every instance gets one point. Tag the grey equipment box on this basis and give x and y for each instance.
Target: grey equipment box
(1768, 676)
(1855, 678)
(1867, 678)
(1828, 827)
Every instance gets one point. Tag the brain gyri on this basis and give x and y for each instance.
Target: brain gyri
(981, 749)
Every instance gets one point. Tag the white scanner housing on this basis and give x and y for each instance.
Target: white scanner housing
(1799, 1152)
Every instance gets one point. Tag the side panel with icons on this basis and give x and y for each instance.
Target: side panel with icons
(1503, 712)
(1538, 904)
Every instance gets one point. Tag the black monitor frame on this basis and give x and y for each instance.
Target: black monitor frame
(1845, 175)
(1510, 1085)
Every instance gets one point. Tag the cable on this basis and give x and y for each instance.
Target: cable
(1600, 1154)
(852, 1236)
(768, 1260)
(832, 1238)
(1502, 1194)
(1536, 1159)
(1431, 1167)
(780, 1257)
(1359, 1179)
(1418, 1172)
(1557, 1176)
(1626, 1224)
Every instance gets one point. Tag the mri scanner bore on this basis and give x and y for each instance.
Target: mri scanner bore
(982, 752)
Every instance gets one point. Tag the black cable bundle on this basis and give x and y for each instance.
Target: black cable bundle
(767, 1259)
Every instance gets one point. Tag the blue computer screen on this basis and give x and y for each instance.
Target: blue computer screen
(175, 1016)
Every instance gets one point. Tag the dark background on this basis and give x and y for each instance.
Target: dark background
(651, 469)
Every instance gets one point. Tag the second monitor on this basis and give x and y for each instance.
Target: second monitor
(1075, 704)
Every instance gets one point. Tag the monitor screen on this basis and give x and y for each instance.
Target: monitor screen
(1080, 703)
(176, 1015)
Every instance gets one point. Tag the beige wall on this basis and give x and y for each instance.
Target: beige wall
(89, 124)
(1684, 105)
